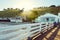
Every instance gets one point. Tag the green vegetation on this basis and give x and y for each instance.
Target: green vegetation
(10, 12)
(30, 15)
(42, 10)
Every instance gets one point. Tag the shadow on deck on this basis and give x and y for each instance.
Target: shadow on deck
(53, 32)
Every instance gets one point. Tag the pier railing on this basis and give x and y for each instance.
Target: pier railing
(24, 31)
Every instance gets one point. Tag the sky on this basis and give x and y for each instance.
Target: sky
(27, 4)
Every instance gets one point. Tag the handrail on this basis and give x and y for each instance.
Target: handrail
(21, 32)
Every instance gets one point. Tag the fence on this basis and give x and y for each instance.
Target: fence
(24, 31)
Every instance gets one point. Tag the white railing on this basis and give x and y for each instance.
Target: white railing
(22, 32)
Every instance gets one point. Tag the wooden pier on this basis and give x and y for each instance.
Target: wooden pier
(53, 34)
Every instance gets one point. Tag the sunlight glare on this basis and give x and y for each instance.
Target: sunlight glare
(26, 4)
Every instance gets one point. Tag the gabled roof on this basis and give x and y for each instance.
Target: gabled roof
(49, 15)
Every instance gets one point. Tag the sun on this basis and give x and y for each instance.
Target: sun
(26, 4)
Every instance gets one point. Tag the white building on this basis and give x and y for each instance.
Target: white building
(59, 16)
(16, 19)
(47, 18)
